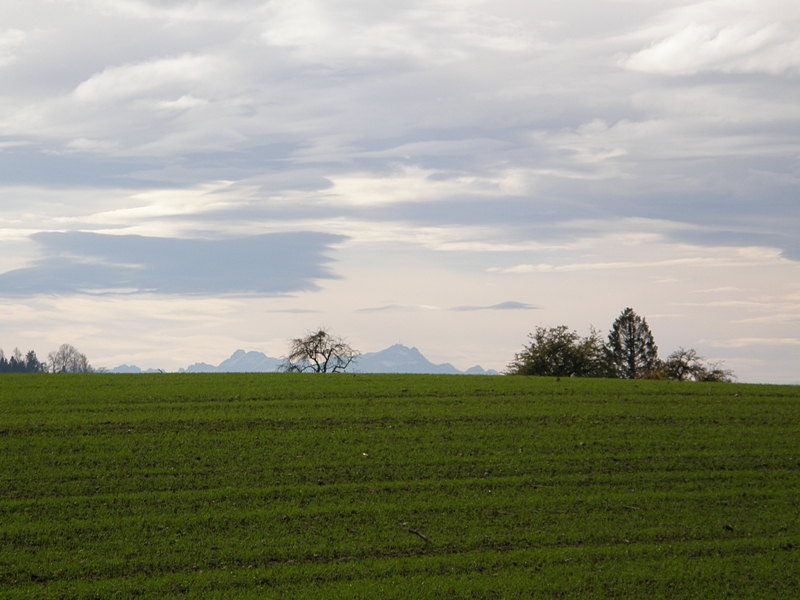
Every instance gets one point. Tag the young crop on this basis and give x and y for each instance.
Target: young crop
(251, 486)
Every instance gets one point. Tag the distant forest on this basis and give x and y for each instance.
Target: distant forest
(66, 359)
(21, 364)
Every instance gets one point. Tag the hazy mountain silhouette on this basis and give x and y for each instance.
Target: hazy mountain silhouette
(239, 362)
(402, 359)
(395, 359)
(122, 369)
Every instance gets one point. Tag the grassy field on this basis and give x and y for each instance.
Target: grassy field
(382, 486)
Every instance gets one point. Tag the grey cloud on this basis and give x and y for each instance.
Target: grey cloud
(789, 244)
(39, 165)
(461, 91)
(389, 308)
(80, 262)
(510, 305)
(536, 128)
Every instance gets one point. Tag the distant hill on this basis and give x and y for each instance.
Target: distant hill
(395, 359)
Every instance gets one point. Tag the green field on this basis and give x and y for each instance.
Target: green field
(384, 486)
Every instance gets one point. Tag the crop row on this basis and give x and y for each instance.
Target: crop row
(246, 486)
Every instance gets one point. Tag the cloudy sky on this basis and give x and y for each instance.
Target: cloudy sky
(179, 179)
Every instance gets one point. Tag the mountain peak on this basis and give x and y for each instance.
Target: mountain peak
(394, 359)
(400, 359)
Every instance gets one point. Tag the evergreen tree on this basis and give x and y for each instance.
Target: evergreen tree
(32, 363)
(16, 364)
(630, 342)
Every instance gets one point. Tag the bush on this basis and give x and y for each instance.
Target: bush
(559, 352)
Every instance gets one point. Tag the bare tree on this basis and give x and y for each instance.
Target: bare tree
(319, 352)
(715, 373)
(683, 365)
(67, 359)
(687, 365)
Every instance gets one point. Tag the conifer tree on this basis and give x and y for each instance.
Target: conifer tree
(632, 348)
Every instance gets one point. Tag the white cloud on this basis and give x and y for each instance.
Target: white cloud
(439, 32)
(742, 342)
(730, 49)
(184, 102)
(724, 36)
(727, 288)
(13, 144)
(126, 81)
(686, 125)
(9, 40)
(413, 184)
(154, 212)
(397, 308)
(702, 262)
(85, 145)
(180, 10)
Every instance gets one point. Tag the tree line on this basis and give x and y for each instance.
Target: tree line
(629, 352)
(67, 359)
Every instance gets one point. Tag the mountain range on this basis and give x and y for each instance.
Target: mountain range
(395, 359)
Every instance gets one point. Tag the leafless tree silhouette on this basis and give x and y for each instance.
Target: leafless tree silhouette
(319, 352)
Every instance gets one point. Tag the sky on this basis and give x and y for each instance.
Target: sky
(180, 179)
